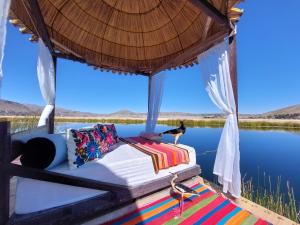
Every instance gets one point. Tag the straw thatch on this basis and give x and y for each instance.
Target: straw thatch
(135, 36)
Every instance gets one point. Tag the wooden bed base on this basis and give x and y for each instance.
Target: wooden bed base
(116, 196)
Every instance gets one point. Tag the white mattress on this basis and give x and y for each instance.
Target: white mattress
(125, 165)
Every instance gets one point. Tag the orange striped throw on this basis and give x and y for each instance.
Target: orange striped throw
(163, 155)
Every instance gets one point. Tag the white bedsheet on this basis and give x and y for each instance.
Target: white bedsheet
(125, 165)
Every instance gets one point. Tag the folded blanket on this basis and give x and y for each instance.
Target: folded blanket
(163, 155)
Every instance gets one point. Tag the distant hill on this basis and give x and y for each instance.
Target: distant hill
(10, 108)
(291, 112)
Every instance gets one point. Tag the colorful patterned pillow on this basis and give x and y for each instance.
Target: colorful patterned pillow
(109, 136)
(83, 146)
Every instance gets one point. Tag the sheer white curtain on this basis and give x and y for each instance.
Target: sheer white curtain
(46, 77)
(4, 7)
(214, 65)
(154, 101)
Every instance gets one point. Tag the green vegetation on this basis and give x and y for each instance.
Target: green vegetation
(21, 123)
(92, 120)
(272, 196)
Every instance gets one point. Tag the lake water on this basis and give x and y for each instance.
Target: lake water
(277, 153)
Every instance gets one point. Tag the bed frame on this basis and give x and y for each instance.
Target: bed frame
(116, 196)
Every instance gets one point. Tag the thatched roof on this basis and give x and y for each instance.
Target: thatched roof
(135, 36)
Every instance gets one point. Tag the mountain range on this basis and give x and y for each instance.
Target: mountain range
(10, 108)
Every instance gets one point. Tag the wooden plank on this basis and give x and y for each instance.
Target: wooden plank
(67, 214)
(34, 13)
(164, 182)
(4, 177)
(212, 12)
(233, 69)
(44, 175)
(193, 51)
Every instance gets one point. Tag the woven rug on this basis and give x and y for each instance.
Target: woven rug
(209, 208)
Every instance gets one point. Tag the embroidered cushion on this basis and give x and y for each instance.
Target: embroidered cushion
(109, 136)
(83, 146)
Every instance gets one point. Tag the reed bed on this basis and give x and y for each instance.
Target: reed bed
(21, 123)
(272, 195)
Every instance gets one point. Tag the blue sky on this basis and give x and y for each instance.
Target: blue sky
(268, 71)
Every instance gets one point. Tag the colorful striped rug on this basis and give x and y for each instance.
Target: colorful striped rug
(208, 209)
(163, 155)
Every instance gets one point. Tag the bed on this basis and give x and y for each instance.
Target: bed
(125, 165)
(65, 196)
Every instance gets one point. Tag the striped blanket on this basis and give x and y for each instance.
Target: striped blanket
(207, 209)
(163, 155)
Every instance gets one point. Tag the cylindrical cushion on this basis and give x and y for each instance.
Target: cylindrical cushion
(60, 149)
(38, 153)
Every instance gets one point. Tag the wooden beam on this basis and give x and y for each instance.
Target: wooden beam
(81, 60)
(4, 177)
(51, 118)
(44, 175)
(34, 13)
(193, 51)
(70, 57)
(66, 49)
(233, 69)
(206, 28)
(212, 12)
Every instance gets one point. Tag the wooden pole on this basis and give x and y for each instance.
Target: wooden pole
(50, 122)
(149, 93)
(34, 14)
(233, 69)
(4, 177)
(212, 12)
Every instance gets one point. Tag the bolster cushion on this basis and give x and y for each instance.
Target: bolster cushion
(44, 151)
(38, 153)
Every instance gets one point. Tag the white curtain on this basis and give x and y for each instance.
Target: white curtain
(154, 100)
(4, 7)
(214, 65)
(46, 77)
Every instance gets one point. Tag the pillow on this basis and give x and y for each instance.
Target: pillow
(60, 147)
(38, 153)
(109, 136)
(83, 146)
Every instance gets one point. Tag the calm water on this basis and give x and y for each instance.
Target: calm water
(277, 153)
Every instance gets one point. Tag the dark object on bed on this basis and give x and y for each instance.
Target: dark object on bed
(38, 153)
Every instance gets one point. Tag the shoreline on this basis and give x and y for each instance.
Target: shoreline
(244, 123)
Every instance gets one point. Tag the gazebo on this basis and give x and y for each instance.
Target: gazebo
(136, 37)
